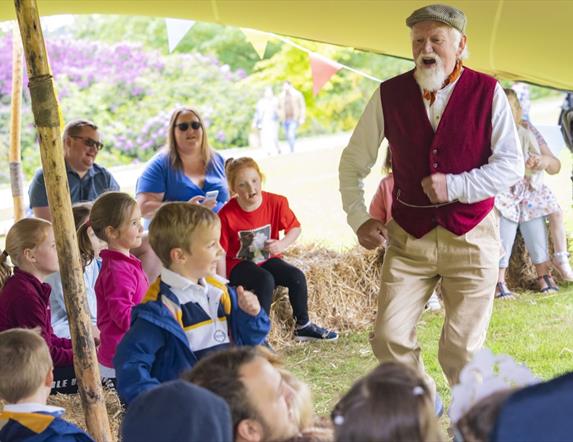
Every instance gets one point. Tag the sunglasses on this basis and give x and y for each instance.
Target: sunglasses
(89, 142)
(195, 125)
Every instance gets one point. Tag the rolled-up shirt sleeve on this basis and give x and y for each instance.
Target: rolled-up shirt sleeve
(505, 166)
(357, 160)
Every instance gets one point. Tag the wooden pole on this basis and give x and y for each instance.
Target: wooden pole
(47, 118)
(14, 155)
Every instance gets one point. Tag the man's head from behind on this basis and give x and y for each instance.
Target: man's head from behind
(438, 42)
(254, 390)
(81, 144)
(174, 410)
(25, 365)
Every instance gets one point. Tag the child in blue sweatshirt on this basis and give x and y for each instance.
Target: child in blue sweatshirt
(25, 382)
(188, 311)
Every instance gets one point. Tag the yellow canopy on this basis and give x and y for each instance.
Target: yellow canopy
(514, 39)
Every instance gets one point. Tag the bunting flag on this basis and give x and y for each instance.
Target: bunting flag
(176, 30)
(258, 40)
(322, 70)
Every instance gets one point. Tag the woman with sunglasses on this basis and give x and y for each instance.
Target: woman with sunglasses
(187, 169)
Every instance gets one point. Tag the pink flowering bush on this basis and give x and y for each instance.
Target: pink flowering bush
(129, 93)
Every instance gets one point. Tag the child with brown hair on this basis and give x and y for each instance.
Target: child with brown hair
(526, 205)
(25, 298)
(115, 218)
(60, 321)
(251, 223)
(188, 312)
(390, 404)
(25, 381)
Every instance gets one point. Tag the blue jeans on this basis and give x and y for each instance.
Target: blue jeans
(290, 127)
(534, 235)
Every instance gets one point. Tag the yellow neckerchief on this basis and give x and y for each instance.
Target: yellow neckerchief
(431, 95)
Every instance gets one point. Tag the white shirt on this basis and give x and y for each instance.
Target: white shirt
(210, 333)
(504, 168)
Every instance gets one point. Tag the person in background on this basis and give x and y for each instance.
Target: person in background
(186, 170)
(381, 210)
(91, 268)
(292, 110)
(86, 179)
(266, 122)
(526, 205)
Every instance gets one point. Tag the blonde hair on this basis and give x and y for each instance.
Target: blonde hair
(301, 406)
(24, 363)
(173, 226)
(111, 209)
(515, 105)
(171, 146)
(234, 166)
(391, 403)
(24, 234)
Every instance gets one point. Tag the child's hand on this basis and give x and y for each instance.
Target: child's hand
(248, 301)
(274, 246)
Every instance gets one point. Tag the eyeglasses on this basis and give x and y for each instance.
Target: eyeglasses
(195, 125)
(90, 142)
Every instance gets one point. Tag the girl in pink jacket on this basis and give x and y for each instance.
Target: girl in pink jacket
(116, 219)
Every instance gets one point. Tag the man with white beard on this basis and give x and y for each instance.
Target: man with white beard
(454, 146)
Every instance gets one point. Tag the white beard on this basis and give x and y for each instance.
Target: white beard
(430, 79)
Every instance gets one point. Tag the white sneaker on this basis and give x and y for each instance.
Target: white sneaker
(433, 303)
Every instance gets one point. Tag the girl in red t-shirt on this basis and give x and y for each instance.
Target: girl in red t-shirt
(250, 226)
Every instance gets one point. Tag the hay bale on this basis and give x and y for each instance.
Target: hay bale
(521, 274)
(75, 413)
(342, 290)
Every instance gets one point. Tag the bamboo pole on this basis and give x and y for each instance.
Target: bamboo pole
(47, 118)
(14, 155)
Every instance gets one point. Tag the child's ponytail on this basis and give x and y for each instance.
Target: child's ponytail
(87, 252)
(5, 269)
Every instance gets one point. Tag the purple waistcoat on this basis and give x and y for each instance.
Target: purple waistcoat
(461, 143)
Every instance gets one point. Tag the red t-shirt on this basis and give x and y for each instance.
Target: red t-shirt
(243, 234)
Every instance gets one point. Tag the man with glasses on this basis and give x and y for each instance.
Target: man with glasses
(87, 180)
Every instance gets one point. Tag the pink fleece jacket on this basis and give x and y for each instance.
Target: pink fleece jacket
(381, 205)
(121, 284)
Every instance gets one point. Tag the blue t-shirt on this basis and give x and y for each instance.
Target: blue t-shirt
(160, 177)
(96, 181)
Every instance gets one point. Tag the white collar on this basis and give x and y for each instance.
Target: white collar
(177, 281)
(31, 407)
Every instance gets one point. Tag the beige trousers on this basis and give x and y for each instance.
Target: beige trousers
(468, 266)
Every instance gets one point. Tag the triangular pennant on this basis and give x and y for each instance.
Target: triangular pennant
(176, 30)
(257, 39)
(322, 70)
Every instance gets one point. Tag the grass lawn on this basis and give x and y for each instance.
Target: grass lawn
(535, 330)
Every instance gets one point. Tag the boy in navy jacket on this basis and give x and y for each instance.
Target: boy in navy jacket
(25, 383)
(188, 311)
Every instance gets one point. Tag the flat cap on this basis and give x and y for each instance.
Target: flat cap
(443, 13)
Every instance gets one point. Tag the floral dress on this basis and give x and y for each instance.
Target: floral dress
(530, 198)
